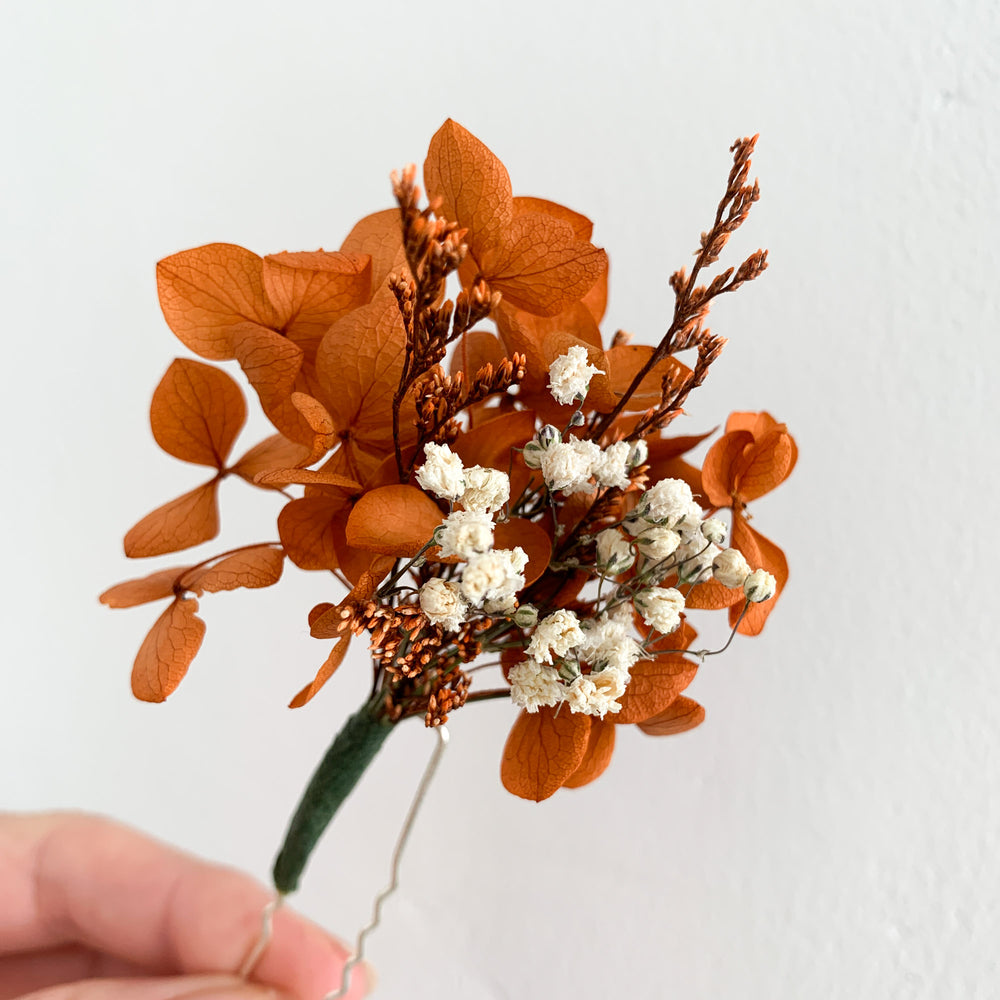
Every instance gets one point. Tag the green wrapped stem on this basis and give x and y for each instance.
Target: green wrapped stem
(353, 749)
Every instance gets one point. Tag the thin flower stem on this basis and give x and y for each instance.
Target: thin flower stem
(489, 695)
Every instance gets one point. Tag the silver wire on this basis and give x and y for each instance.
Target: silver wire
(263, 938)
(404, 834)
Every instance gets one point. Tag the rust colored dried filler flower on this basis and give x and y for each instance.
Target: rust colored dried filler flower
(488, 479)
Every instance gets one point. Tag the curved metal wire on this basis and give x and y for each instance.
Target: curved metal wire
(404, 835)
(267, 915)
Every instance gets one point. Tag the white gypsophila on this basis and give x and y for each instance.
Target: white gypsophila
(638, 453)
(495, 576)
(568, 466)
(443, 604)
(660, 607)
(610, 684)
(555, 634)
(485, 489)
(666, 502)
(611, 469)
(694, 560)
(442, 472)
(570, 375)
(760, 586)
(689, 524)
(608, 642)
(657, 543)
(730, 568)
(713, 530)
(596, 693)
(465, 533)
(614, 554)
(533, 685)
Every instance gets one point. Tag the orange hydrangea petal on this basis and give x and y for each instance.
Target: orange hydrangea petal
(723, 464)
(582, 227)
(310, 291)
(766, 556)
(167, 651)
(625, 362)
(473, 185)
(682, 715)
(654, 685)
(154, 587)
(325, 672)
(207, 291)
(600, 746)
(258, 566)
(769, 464)
(196, 413)
(380, 236)
(359, 364)
(543, 750)
(474, 350)
(393, 520)
(540, 265)
(188, 520)
(307, 529)
(274, 452)
(308, 477)
(531, 537)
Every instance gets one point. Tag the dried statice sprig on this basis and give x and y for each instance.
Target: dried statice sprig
(691, 301)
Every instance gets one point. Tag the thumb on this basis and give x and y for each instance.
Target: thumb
(212, 987)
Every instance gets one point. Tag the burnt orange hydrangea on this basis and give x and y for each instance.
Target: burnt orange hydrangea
(487, 476)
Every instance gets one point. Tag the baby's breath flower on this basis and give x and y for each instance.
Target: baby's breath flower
(496, 577)
(695, 558)
(638, 454)
(657, 542)
(660, 607)
(442, 472)
(690, 522)
(614, 554)
(556, 634)
(535, 449)
(608, 642)
(485, 489)
(666, 502)
(596, 693)
(464, 533)
(441, 601)
(569, 466)
(759, 586)
(526, 616)
(532, 685)
(570, 375)
(714, 530)
(730, 568)
(611, 469)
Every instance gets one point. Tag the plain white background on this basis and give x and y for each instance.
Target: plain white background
(831, 830)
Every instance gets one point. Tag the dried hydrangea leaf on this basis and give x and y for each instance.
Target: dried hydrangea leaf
(186, 521)
(167, 651)
(542, 751)
(597, 757)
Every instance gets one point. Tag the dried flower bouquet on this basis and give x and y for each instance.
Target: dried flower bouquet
(489, 479)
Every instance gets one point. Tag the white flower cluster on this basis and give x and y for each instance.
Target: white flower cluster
(570, 375)
(604, 643)
(576, 465)
(477, 488)
(490, 578)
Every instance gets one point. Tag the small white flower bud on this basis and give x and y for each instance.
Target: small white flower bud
(533, 453)
(713, 530)
(759, 586)
(577, 419)
(638, 454)
(526, 616)
(548, 435)
(657, 543)
(730, 568)
(614, 554)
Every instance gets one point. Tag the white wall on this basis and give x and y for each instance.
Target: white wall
(831, 830)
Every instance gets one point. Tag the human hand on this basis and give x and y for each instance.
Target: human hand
(90, 909)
